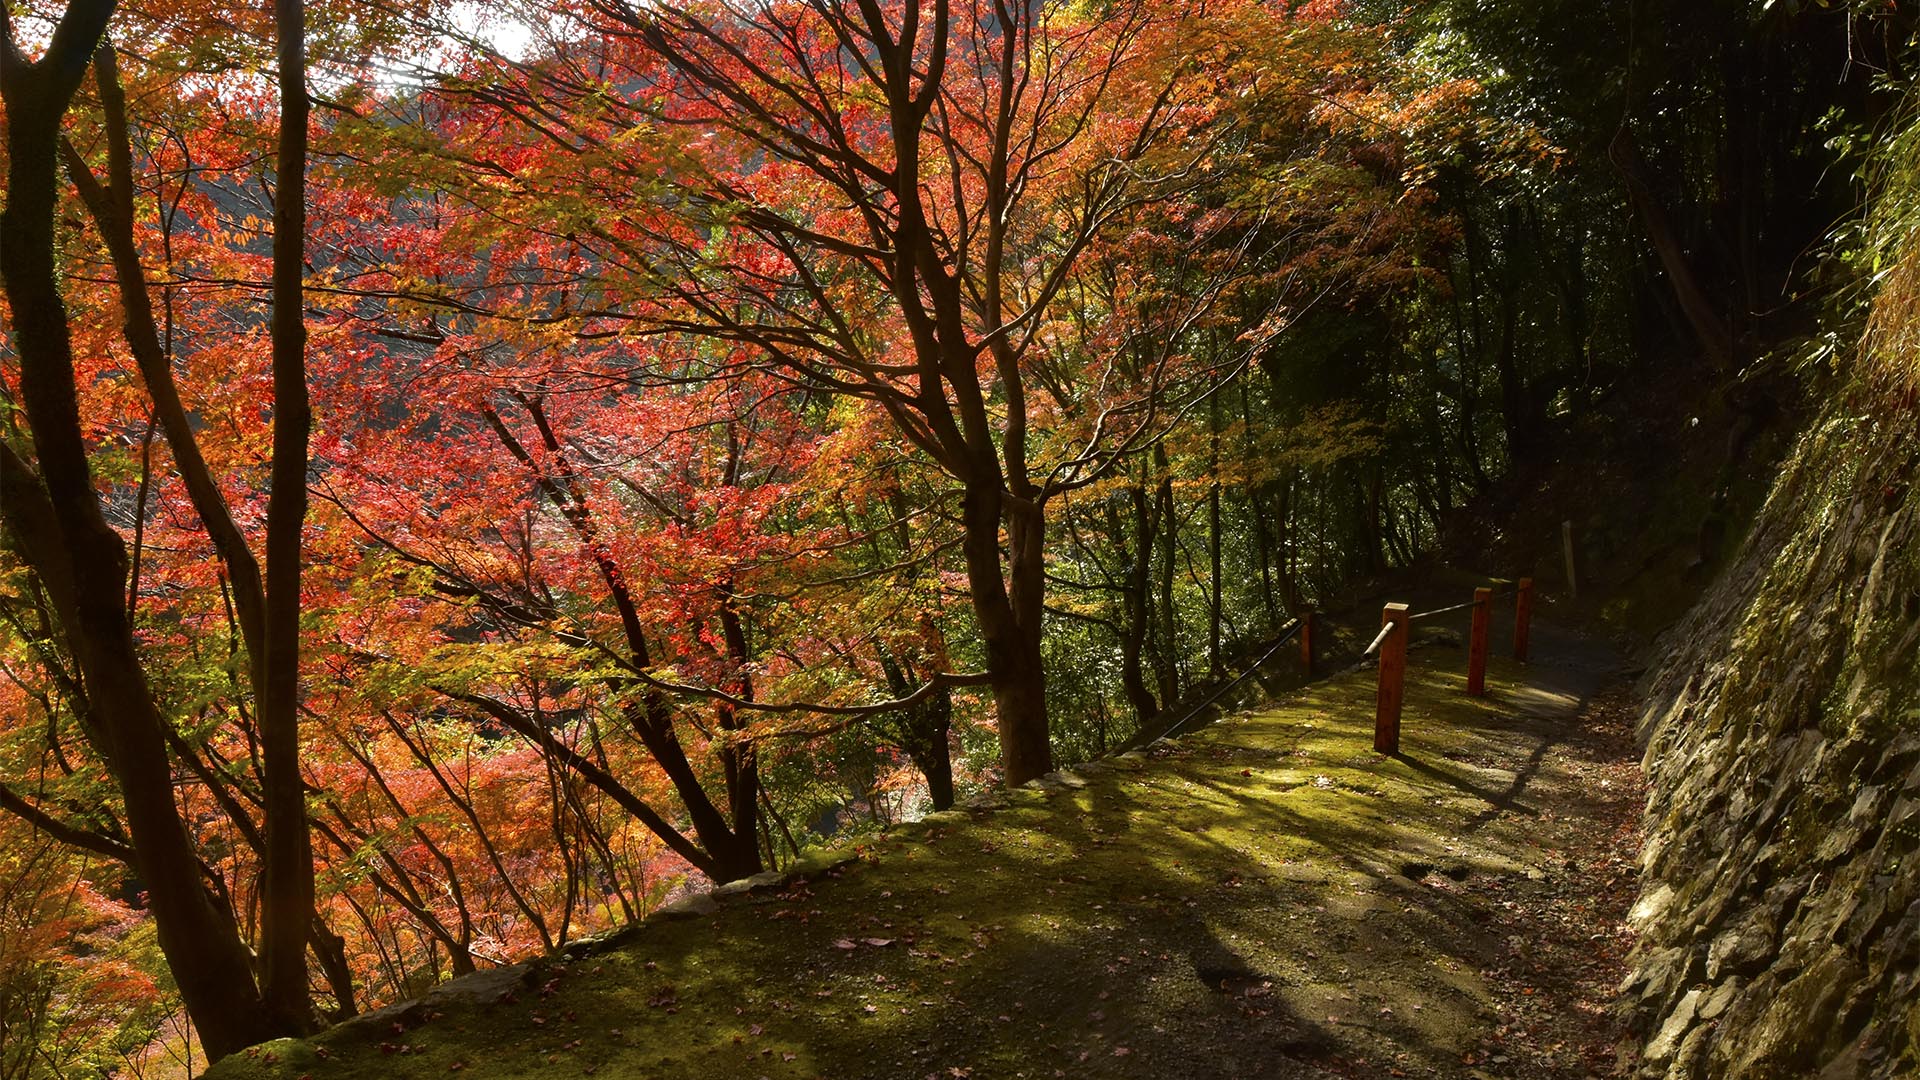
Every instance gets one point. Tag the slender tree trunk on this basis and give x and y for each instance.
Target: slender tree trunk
(1709, 328)
(925, 728)
(1215, 607)
(937, 765)
(1137, 609)
(1569, 273)
(287, 889)
(727, 859)
(1292, 591)
(1466, 350)
(939, 712)
(1168, 628)
(1256, 516)
(1372, 533)
(740, 762)
(1264, 549)
(1515, 403)
(331, 949)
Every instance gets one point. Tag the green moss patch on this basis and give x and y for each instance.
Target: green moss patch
(1268, 897)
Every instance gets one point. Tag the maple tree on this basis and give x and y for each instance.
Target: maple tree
(81, 604)
(80, 560)
(924, 183)
(567, 450)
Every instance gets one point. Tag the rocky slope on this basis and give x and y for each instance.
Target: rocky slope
(1779, 922)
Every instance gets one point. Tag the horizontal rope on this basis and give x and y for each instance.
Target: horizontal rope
(1285, 637)
(1510, 590)
(1497, 594)
(1443, 611)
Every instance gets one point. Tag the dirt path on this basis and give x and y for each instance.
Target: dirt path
(1265, 898)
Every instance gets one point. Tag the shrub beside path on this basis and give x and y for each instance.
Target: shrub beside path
(1266, 897)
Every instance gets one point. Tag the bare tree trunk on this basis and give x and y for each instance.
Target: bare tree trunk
(741, 857)
(1516, 407)
(331, 949)
(938, 764)
(924, 729)
(287, 889)
(1217, 603)
(1256, 516)
(1007, 596)
(1168, 628)
(1138, 610)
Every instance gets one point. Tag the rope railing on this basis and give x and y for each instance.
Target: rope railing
(1508, 590)
(1285, 636)
(1391, 645)
(1511, 589)
(1441, 611)
(1378, 640)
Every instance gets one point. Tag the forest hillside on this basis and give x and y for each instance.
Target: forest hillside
(481, 479)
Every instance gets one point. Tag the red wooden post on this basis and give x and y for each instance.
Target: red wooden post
(1522, 617)
(1477, 643)
(1307, 618)
(1393, 680)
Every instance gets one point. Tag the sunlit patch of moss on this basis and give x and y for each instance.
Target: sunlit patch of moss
(1224, 893)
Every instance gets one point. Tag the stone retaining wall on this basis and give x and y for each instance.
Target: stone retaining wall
(1780, 911)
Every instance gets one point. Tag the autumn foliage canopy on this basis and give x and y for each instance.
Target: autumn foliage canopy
(653, 438)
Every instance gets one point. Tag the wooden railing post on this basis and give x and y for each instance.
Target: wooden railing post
(1566, 548)
(1477, 642)
(1393, 680)
(1522, 617)
(1307, 619)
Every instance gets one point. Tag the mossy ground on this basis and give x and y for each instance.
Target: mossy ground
(1267, 897)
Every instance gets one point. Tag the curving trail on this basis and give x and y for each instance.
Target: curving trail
(1264, 898)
